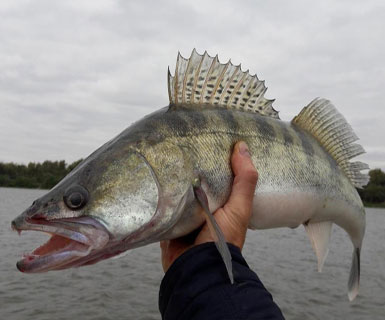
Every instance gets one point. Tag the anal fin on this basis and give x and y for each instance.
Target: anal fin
(319, 234)
(215, 231)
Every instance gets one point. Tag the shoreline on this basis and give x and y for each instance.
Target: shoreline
(366, 204)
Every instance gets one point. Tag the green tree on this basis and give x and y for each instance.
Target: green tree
(34, 175)
(377, 177)
(374, 191)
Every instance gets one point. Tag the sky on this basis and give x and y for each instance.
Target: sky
(73, 74)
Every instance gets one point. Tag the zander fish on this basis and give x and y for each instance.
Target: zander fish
(151, 181)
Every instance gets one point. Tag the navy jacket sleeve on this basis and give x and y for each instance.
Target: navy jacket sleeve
(196, 286)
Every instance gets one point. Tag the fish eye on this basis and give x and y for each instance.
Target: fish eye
(76, 197)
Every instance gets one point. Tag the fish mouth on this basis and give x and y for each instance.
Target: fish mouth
(71, 240)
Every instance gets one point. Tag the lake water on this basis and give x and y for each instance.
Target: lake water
(127, 288)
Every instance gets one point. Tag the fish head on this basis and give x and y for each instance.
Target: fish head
(109, 198)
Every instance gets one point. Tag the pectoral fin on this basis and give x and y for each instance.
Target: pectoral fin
(319, 234)
(215, 231)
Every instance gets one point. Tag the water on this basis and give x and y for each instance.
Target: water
(127, 288)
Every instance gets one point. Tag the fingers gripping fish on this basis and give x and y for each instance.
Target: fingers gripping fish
(140, 187)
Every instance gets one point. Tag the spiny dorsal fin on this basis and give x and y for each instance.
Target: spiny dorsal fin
(321, 119)
(203, 80)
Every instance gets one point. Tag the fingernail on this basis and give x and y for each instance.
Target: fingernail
(243, 149)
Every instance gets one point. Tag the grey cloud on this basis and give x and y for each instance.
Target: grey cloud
(74, 74)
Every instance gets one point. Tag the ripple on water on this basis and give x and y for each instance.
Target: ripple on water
(127, 288)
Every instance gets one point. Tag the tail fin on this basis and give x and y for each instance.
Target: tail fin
(354, 277)
(321, 119)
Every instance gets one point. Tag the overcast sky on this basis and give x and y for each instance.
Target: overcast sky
(73, 74)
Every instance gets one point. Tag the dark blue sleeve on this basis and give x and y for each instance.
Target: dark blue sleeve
(197, 286)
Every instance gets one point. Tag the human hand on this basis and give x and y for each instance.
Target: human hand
(233, 218)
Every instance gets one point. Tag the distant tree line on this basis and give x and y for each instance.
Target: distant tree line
(373, 194)
(47, 174)
(34, 175)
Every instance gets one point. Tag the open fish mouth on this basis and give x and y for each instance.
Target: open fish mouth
(71, 240)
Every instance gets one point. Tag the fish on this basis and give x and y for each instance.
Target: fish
(153, 181)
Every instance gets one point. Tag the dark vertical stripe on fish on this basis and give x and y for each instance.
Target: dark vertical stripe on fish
(287, 137)
(306, 145)
(229, 120)
(177, 121)
(197, 119)
(265, 128)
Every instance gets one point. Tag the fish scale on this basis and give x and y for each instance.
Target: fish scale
(151, 181)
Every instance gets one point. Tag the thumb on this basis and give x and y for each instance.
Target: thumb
(245, 180)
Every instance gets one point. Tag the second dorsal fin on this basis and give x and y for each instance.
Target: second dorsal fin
(204, 81)
(322, 120)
